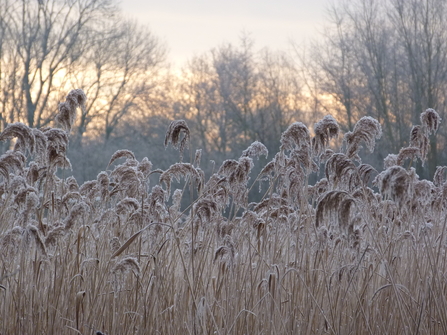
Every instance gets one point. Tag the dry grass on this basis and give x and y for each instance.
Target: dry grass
(118, 255)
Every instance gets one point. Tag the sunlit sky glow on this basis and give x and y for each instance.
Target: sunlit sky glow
(193, 27)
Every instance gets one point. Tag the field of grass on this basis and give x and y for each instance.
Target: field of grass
(123, 254)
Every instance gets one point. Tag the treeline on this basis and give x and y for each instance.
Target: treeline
(385, 59)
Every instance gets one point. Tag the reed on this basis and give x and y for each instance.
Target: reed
(120, 255)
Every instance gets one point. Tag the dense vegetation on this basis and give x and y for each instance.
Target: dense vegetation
(142, 250)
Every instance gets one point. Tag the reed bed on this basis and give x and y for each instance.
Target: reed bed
(359, 252)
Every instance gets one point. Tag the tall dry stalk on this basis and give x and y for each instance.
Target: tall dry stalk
(118, 255)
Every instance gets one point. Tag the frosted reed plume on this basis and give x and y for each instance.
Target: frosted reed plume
(72, 184)
(419, 140)
(128, 181)
(179, 170)
(10, 242)
(394, 183)
(67, 110)
(296, 136)
(335, 206)
(120, 154)
(411, 153)
(57, 144)
(76, 212)
(341, 172)
(197, 158)
(237, 174)
(32, 173)
(256, 149)
(127, 205)
(389, 161)
(325, 130)
(430, 120)
(365, 172)
(89, 189)
(24, 134)
(206, 210)
(41, 144)
(11, 161)
(173, 134)
(102, 185)
(440, 176)
(145, 167)
(366, 130)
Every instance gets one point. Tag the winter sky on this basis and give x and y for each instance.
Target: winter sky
(192, 27)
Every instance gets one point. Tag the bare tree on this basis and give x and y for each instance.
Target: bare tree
(121, 68)
(49, 47)
(43, 40)
(235, 96)
(423, 31)
(386, 59)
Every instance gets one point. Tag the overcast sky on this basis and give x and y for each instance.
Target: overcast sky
(192, 27)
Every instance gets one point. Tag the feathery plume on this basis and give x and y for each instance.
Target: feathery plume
(24, 134)
(237, 174)
(53, 235)
(301, 159)
(419, 139)
(423, 190)
(57, 140)
(32, 173)
(226, 252)
(173, 136)
(156, 203)
(296, 136)
(366, 130)
(67, 110)
(206, 210)
(439, 176)
(394, 184)
(120, 154)
(174, 210)
(72, 184)
(128, 180)
(325, 130)
(332, 202)
(409, 153)
(127, 205)
(89, 189)
(431, 120)
(41, 144)
(390, 161)
(179, 170)
(255, 149)
(102, 185)
(70, 196)
(11, 160)
(76, 212)
(57, 147)
(322, 186)
(364, 172)
(145, 167)
(341, 172)
(197, 158)
(23, 193)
